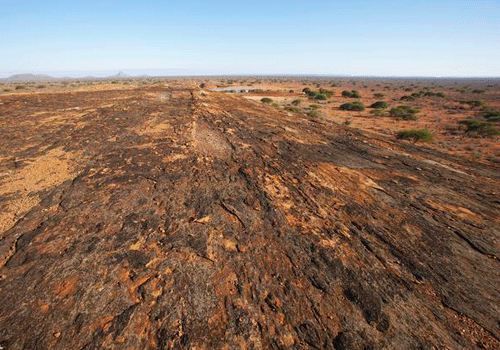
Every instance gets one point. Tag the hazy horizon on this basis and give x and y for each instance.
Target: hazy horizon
(333, 38)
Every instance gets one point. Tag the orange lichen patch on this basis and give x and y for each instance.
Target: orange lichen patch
(174, 157)
(67, 287)
(461, 212)
(278, 191)
(45, 307)
(46, 171)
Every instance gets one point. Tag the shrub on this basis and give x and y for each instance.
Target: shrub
(41, 87)
(492, 115)
(266, 100)
(355, 106)
(480, 127)
(296, 102)
(408, 98)
(314, 106)
(404, 112)
(379, 105)
(415, 135)
(478, 91)
(353, 94)
(7, 90)
(20, 87)
(321, 97)
(473, 103)
(293, 109)
(379, 95)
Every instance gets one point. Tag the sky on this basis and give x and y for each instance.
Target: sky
(376, 38)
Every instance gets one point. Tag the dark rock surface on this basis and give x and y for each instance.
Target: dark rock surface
(213, 222)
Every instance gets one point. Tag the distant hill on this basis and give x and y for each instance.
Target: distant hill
(28, 77)
(121, 75)
(43, 77)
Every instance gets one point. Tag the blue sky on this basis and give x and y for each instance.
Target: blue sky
(385, 38)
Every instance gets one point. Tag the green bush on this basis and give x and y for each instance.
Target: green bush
(321, 97)
(492, 115)
(473, 103)
(266, 100)
(20, 87)
(408, 98)
(379, 95)
(478, 91)
(379, 105)
(404, 112)
(480, 127)
(293, 109)
(352, 94)
(438, 94)
(7, 90)
(354, 106)
(296, 102)
(415, 135)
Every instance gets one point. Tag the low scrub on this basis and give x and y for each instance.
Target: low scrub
(296, 102)
(404, 112)
(415, 135)
(437, 94)
(322, 94)
(478, 91)
(354, 106)
(20, 87)
(473, 103)
(352, 93)
(492, 115)
(378, 95)
(266, 100)
(480, 127)
(379, 105)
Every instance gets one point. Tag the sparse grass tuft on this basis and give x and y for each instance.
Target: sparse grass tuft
(293, 109)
